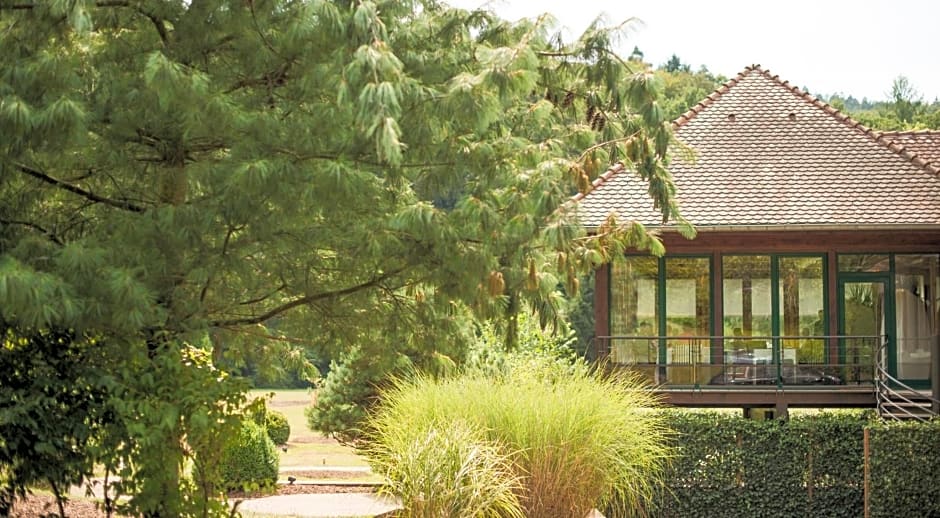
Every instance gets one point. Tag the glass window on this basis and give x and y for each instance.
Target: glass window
(864, 263)
(634, 310)
(914, 277)
(802, 314)
(688, 313)
(688, 300)
(746, 296)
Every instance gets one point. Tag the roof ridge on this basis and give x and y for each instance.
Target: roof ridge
(600, 180)
(692, 112)
(912, 132)
(877, 137)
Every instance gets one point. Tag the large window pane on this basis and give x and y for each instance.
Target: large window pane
(914, 277)
(746, 295)
(633, 310)
(688, 299)
(802, 315)
(688, 312)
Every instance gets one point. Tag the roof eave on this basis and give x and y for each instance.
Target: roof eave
(796, 228)
(804, 227)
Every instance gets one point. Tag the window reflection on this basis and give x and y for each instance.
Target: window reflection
(802, 310)
(633, 310)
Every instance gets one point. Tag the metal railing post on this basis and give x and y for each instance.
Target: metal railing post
(935, 374)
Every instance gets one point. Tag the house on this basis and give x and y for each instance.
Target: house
(813, 280)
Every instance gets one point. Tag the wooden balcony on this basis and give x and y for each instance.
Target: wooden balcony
(771, 371)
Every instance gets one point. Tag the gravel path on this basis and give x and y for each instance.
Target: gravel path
(322, 505)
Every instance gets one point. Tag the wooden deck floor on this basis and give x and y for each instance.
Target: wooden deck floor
(851, 396)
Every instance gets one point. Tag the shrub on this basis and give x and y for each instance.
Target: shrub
(277, 426)
(346, 394)
(446, 471)
(576, 439)
(249, 460)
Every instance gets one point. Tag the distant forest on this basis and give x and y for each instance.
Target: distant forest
(906, 109)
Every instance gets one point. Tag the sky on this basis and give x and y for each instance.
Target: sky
(855, 48)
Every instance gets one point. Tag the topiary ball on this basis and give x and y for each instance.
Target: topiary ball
(277, 426)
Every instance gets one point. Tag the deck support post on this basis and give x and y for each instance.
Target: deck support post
(780, 407)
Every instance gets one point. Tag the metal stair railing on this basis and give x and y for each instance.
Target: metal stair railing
(889, 400)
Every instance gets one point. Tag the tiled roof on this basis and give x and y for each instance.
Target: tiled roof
(925, 143)
(769, 154)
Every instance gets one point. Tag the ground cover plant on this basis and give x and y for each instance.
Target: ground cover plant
(575, 439)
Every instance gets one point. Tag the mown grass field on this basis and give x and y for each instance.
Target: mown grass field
(307, 448)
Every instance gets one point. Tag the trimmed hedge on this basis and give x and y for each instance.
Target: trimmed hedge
(808, 466)
(905, 463)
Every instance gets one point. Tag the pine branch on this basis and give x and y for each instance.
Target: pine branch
(306, 299)
(262, 298)
(29, 224)
(39, 175)
(100, 3)
(607, 143)
(359, 161)
(158, 24)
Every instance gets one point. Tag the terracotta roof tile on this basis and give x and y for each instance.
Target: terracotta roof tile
(768, 154)
(924, 144)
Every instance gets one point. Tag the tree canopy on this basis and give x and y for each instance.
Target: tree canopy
(256, 177)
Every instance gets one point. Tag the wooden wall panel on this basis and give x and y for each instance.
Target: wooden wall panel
(804, 241)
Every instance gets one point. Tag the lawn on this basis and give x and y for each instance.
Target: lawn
(310, 449)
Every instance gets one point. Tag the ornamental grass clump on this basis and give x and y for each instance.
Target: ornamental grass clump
(575, 439)
(444, 470)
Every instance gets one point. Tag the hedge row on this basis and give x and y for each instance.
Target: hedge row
(808, 466)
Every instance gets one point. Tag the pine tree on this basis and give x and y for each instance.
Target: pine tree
(212, 175)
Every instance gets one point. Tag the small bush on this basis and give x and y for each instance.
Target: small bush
(576, 440)
(346, 394)
(446, 471)
(249, 460)
(277, 426)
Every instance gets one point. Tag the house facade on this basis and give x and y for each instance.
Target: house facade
(815, 275)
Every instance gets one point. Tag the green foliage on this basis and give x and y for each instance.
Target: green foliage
(171, 189)
(249, 459)
(54, 400)
(490, 354)
(349, 391)
(575, 439)
(277, 427)
(581, 318)
(905, 463)
(807, 466)
(447, 470)
(69, 406)
(683, 88)
(905, 109)
(176, 410)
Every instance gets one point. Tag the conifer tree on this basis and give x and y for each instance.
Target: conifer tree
(222, 176)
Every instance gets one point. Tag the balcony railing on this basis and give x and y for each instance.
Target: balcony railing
(722, 361)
